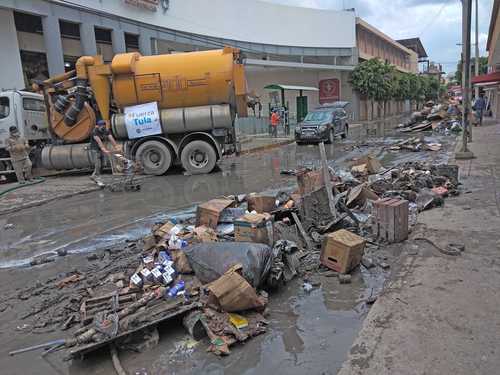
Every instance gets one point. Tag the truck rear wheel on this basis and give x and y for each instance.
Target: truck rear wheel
(198, 157)
(155, 157)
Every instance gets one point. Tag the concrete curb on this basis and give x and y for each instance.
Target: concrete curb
(267, 147)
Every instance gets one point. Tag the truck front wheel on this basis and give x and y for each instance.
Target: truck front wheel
(198, 157)
(154, 157)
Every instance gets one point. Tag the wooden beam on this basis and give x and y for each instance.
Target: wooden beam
(327, 179)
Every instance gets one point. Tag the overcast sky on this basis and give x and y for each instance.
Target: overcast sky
(436, 22)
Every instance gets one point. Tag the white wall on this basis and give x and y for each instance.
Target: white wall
(244, 20)
(11, 74)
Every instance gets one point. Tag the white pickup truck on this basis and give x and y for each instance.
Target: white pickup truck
(26, 110)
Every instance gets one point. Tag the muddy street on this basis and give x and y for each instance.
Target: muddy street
(308, 330)
(99, 219)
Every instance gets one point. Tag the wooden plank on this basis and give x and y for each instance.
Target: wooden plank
(82, 350)
(327, 180)
(302, 231)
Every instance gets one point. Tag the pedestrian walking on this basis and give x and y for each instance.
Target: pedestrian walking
(275, 121)
(100, 135)
(479, 107)
(19, 149)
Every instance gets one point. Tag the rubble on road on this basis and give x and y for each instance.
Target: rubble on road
(443, 118)
(236, 249)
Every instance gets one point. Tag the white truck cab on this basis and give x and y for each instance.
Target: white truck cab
(26, 111)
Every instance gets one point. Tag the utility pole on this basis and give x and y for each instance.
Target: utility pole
(476, 70)
(464, 152)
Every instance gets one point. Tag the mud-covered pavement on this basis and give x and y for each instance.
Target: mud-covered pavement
(309, 332)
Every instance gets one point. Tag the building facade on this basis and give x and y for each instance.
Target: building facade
(490, 82)
(43, 38)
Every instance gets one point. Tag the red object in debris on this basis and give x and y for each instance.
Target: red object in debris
(440, 190)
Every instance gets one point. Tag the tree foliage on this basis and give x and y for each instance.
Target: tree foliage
(381, 82)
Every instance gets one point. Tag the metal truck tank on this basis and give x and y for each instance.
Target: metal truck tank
(66, 157)
(174, 80)
(183, 120)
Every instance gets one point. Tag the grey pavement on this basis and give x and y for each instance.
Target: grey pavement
(439, 314)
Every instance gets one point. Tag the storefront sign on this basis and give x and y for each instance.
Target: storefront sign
(142, 120)
(329, 90)
(151, 5)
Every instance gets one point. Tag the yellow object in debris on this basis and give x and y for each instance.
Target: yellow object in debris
(238, 321)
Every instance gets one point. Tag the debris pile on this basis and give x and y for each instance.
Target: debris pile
(216, 269)
(444, 118)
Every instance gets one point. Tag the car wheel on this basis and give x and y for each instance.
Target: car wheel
(346, 131)
(198, 157)
(330, 138)
(155, 157)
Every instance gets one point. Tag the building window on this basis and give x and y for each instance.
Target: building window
(4, 107)
(28, 23)
(34, 66)
(69, 29)
(103, 35)
(131, 42)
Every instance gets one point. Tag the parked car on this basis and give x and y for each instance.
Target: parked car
(324, 123)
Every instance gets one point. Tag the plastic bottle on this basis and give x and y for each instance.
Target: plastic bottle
(172, 292)
(176, 243)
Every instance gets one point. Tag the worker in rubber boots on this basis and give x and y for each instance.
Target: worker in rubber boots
(19, 149)
(100, 134)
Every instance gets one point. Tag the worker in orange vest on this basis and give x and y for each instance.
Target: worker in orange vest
(275, 121)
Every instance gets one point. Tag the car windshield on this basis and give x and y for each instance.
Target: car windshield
(318, 116)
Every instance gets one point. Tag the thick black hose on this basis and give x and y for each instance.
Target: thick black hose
(77, 106)
(61, 102)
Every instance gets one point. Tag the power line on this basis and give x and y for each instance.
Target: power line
(436, 16)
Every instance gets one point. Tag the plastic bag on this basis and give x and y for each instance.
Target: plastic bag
(211, 260)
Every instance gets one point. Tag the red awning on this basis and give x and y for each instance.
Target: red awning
(487, 78)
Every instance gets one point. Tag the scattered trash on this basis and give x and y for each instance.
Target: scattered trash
(8, 226)
(238, 321)
(307, 287)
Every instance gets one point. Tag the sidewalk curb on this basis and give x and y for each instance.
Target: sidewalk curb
(267, 147)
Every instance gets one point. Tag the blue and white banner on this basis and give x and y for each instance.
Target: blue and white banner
(142, 120)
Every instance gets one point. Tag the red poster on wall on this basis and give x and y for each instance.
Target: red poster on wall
(329, 90)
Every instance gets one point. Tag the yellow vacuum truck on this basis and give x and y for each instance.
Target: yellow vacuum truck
(167, 109)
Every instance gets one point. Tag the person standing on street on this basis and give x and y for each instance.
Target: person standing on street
(275, 121)
(479, 107)
(19, 149)
(100, 135)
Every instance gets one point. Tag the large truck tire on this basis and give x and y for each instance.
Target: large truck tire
(198, 157)
(155, 157)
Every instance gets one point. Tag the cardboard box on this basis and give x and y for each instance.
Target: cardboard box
(261, 203)
(367, 164)
(254, 228)
(309, 181)
(342, 251)
(208, 213)
(390, 219)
